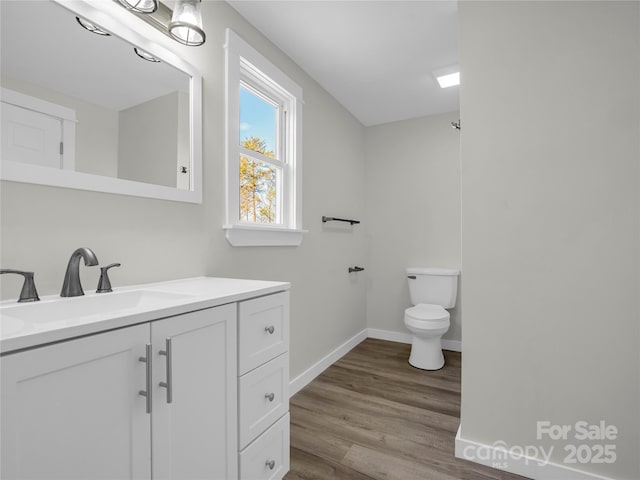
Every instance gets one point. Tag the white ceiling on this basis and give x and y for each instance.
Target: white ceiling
(375, 57)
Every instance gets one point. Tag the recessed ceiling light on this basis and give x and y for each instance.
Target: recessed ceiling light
(450, 80)
(145, 55)
(448, 77)
(91, 27)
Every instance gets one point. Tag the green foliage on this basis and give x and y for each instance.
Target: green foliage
(257, 184)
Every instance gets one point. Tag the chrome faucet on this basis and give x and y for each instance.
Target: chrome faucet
(71, 286)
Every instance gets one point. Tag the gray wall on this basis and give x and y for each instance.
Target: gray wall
(413, 212)
(550, 221)
(160, 240)
(148, 141)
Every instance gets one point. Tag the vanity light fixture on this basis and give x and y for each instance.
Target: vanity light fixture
(140, 6)
(144, 55)
(91, 27)
(448, 77)
(186, 23)
(183, 23)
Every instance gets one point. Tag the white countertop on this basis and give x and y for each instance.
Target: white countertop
(54, 318)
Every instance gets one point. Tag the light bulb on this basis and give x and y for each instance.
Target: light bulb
(140, 6)
(186, 23)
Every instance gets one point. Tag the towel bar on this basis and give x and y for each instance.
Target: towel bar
(335, 219)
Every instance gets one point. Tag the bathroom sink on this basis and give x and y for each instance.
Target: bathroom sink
(10, 326)
(72, 309)
(55, 318)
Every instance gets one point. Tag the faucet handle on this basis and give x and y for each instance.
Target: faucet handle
(104, 284)
(28, 292)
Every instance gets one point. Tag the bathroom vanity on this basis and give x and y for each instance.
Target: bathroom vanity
(176, 380)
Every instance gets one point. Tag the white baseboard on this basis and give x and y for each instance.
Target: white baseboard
(405, 337)
(317, 368)
(512, 460)
(401, 337)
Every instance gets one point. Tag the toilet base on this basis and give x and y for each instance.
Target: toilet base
(426, 353)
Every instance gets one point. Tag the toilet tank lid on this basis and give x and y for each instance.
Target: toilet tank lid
(432, 271)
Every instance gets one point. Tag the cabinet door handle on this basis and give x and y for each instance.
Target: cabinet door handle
(270, 396)
(270, 329)
(148, 392)
(169, 383)
(270, 463)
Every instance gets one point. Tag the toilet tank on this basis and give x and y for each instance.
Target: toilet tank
(437, 286)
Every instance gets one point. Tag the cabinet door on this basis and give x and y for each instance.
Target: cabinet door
(72, 410)
(194, 430)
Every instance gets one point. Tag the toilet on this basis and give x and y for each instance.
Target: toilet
(432, 290)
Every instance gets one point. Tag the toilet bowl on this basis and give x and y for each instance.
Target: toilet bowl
(431, 290)
(427, 323)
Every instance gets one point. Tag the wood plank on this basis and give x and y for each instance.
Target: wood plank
(398, 437)
(323, 435)
(375, 385)
(306, 466)
(332, 400)
(372, 416)
(381, 465)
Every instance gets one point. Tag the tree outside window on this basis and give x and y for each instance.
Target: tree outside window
(258, 184)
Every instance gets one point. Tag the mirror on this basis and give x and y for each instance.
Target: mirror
(89, 111)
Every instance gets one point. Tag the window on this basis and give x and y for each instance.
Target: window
(263, 150)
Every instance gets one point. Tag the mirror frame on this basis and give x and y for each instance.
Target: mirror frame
(118, 21)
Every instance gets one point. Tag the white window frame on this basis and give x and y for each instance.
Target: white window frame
(245, 65)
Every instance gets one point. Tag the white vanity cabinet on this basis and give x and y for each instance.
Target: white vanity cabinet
(73, 410)
(179, 380)
(263, 387)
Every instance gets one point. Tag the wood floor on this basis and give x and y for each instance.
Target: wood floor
(371, 415)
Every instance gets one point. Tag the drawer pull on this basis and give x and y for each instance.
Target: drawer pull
(270, 396)
(270, 329)
(271, 464)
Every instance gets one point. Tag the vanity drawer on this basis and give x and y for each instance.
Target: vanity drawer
(268, 457)
(263, 397)
(263, 330)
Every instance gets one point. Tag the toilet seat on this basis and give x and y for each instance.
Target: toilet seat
(427, 317)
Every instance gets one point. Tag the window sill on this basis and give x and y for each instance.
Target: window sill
(256, 236)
